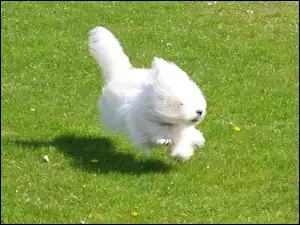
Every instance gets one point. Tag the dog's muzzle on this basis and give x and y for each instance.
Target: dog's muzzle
(195, 120)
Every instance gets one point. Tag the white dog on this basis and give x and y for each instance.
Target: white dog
(155, 106)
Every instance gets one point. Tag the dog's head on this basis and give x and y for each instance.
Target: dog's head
(176, 98)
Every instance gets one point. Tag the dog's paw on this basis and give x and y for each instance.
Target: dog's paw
(163, 141)
(199, 143)
(181, 151)
(198, 139)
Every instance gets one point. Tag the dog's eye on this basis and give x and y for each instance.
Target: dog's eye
(180, 103)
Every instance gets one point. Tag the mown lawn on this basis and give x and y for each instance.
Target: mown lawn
(247, 65)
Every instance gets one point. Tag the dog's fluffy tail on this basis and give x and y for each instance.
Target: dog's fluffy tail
(108, 52)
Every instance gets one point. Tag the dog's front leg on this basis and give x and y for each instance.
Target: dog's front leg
(185, 138)
(161, 141)
(181, 150)
(196, 137)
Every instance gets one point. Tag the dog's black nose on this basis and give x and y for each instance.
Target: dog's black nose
(199, 112)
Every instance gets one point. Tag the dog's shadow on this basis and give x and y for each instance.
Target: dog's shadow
(84, 149)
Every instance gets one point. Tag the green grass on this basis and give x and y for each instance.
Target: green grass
(247, 66)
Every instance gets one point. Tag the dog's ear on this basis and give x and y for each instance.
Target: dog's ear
(167, 70)
(159, 67)
(168, 76)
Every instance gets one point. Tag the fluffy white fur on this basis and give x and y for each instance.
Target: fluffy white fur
(154, 106)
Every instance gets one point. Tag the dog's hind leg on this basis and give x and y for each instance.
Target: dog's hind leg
(145, 148)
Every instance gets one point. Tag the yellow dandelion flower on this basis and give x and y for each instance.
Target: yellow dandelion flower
(94, 160)
(134, 213)
(237, 128)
